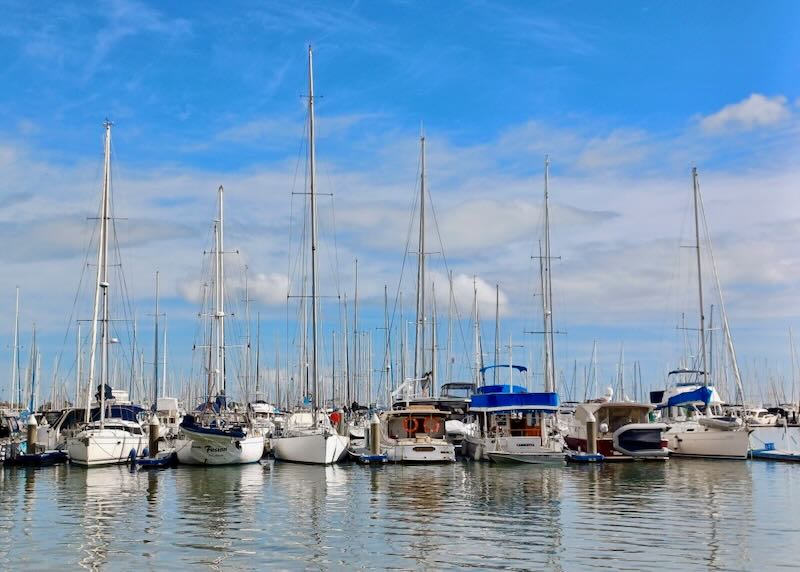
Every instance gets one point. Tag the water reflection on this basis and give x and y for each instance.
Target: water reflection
(216, 506)
(692, 515)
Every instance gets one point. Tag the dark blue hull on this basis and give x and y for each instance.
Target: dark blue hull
(38, 459)
(160, 462)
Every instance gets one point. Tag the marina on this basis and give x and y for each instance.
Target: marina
(414, 286)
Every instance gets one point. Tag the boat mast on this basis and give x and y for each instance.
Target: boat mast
(403, 344)
(449, 368)
(277, 374)
(793, 356)
(496, 330)
(696, 189)
(155, 354)
(101, 285)
(247, 349)
(476, 331)
(164, 359)
(258, 353)
(16, 384)
(34, 371)
(220, 297)
(78, 364)
(346, 336)
(386, 340)
(547, 301)
(419, 338)
(431, 389)
(313, 201)
(357, 365)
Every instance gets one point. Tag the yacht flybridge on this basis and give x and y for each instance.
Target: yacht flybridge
(512, 424)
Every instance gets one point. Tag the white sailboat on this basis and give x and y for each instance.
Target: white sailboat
(215, 434)
(107, 440)
(309, 436)
(692, 408)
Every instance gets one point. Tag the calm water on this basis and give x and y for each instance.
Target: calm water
(689, 515)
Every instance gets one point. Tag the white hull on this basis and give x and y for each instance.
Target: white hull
(314, 447)
(542, 458)
(356, 431)
(94, 447)
(415, 452)
(482, 448)
(204, 449)
(694, 440)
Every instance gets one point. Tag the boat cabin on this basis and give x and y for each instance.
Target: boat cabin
(414, 422)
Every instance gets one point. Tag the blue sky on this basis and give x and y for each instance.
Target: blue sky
(623, 96)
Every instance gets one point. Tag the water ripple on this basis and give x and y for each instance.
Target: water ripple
(692, 515)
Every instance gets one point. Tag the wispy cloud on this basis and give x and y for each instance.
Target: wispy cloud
(751, 113)
(128, 18)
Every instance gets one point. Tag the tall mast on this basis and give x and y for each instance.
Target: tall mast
(34, 371)
(313, 199)
(434, 373)
(547, 300)
(220, 296)
(386, 339)
(258, 352)
(78, 364)
(419, 338)
(164, 359)
(347, 392)
(277, 374)
(333, 368)
(794, 364)
(16, 385)
(696, 187)
(476, 331)
(496, 330)
(247, 352)
(101, 285)
(356, 344)
(403, 344)
(449, 368)
(155, 354)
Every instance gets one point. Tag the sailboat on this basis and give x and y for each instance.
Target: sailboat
(108, 440)
(692, 407)
(513, 425)
(309, 436)
(215, 434)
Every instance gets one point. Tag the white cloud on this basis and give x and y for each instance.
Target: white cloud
(267, 288)
(751, 113)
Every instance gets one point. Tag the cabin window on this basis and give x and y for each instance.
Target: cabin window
(409, 426)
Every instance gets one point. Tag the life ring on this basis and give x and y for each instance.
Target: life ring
(432, 425)
(410, 424)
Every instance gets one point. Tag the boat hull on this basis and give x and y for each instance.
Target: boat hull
(541, 458)
(43, 459)
(208, 449)
(413, 452)
(698, 441)
(96, 447)
(481, 448)
(313, 447)
(605, 447)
